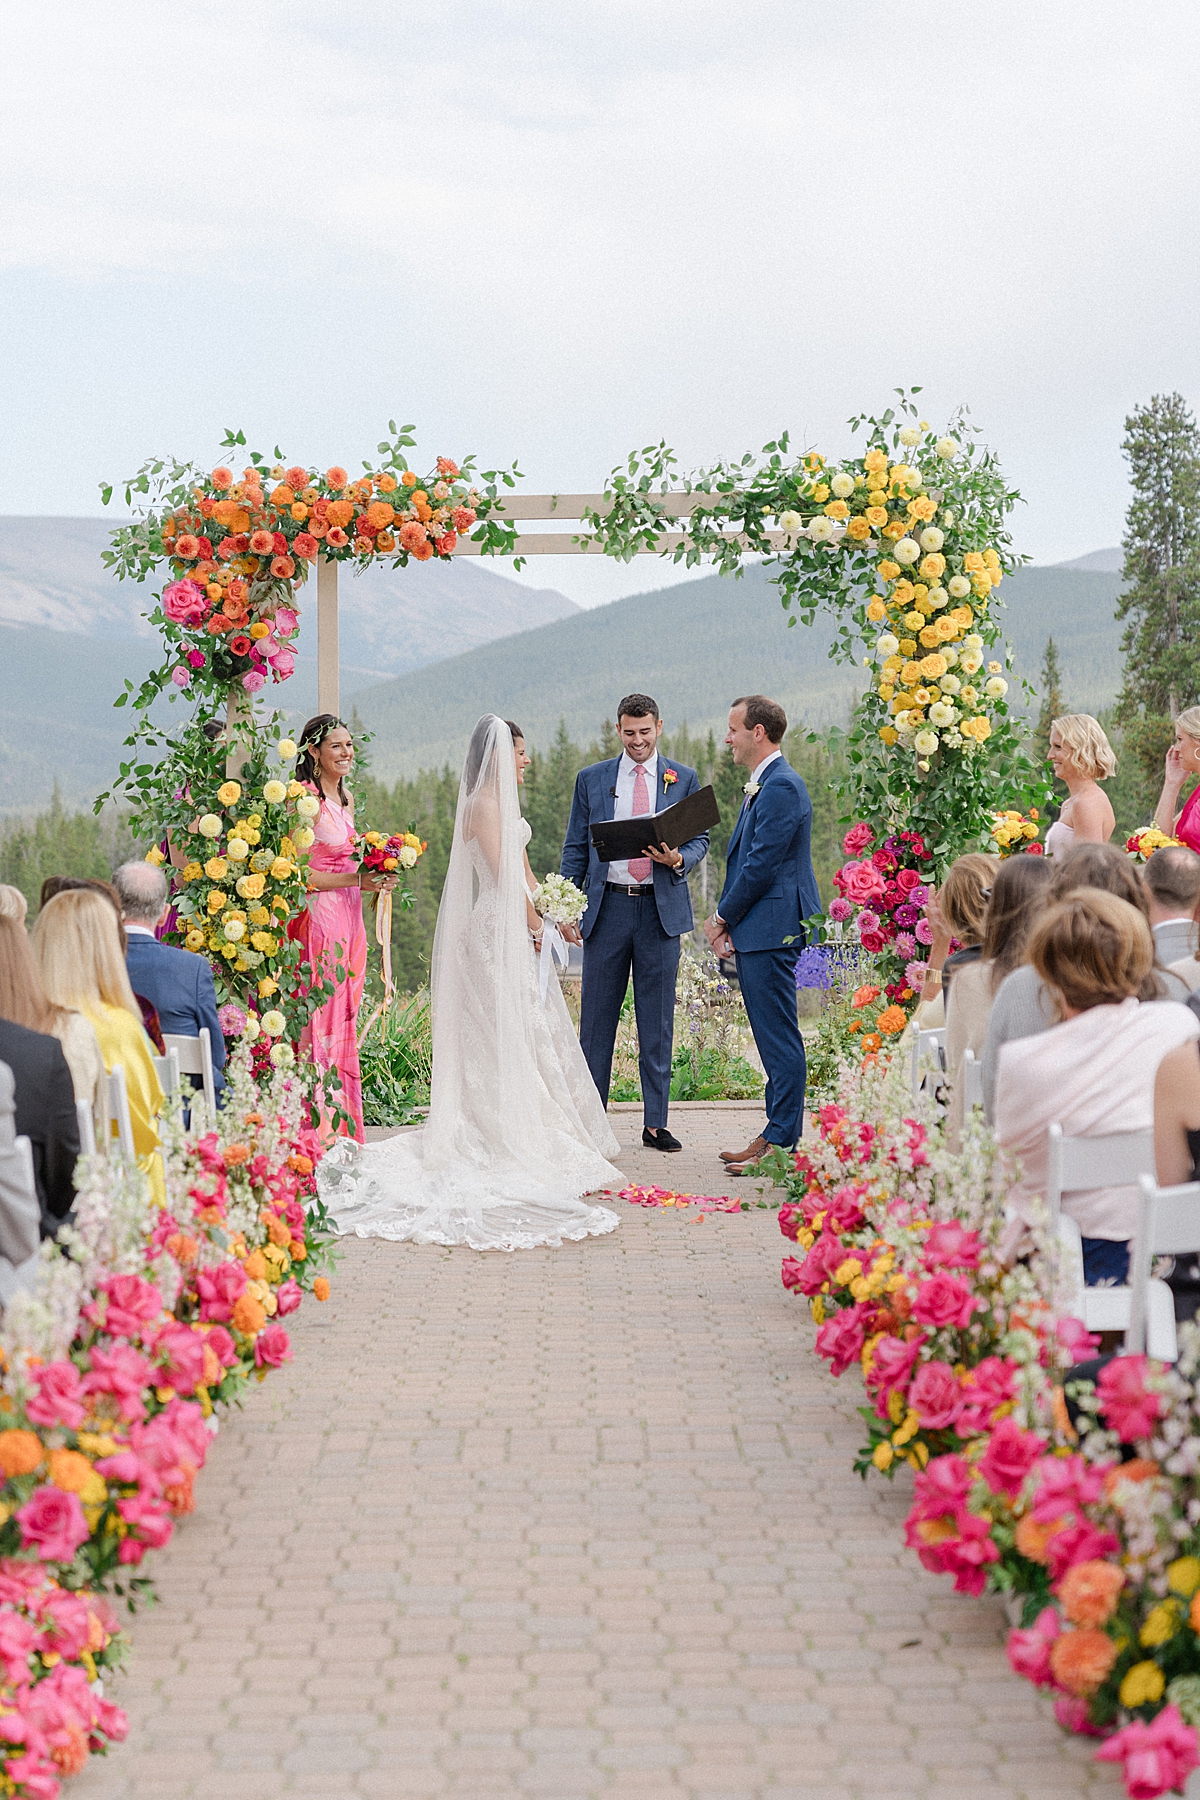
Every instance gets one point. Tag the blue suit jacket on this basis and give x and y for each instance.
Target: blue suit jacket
(179, 986)
(595, 799)
(770, 887)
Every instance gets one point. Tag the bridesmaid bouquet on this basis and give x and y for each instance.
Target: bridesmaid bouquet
(384, 855)
(559, 900)
(1144, 842)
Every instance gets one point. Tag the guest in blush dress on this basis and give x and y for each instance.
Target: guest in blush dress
(332, 928)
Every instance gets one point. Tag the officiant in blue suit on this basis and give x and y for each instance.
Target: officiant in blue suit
(637, 911)
(769, 891)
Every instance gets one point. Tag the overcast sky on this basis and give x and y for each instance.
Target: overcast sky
(554, 232)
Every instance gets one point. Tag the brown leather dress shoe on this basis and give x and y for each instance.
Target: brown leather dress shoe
(752, 1153)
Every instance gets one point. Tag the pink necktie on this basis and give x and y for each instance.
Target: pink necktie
(640, 867)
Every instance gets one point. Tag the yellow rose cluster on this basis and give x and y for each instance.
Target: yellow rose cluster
(245, 883)
(1012, 830)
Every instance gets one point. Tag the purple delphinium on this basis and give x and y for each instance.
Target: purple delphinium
(812, 968)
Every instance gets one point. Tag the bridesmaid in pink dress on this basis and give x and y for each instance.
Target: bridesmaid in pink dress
(1183, 762)
(333, 930)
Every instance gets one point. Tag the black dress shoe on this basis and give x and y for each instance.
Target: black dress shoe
(660, 1139)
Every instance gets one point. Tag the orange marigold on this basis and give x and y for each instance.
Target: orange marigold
(235, 1155)
(891, 1020)
(321, 1288)
(1088, 1592)
(248, 1315)
(872, 1042)
(1082, 1661)
(70, 1470)
(386, 484)
(381, 513)
(279, 1232)
(255, 1266)
(1032, 1537)
(1142, 1468)
(20, 1452)
(340, 512)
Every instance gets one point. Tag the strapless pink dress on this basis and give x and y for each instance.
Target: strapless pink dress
(1188, 828)
(333, 933)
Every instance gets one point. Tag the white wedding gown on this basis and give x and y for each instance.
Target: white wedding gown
(516, 1133)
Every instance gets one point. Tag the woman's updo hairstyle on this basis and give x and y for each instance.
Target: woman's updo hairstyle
(311, 739)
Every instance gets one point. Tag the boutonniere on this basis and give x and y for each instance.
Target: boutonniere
(669, 779)
(750, 788)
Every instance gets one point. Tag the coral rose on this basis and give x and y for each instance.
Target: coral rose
(282, 567)
(1033, 1536)
(1088, 1593)
(336, 537)
(305, 545)
(20, 1452)
(53, 1523)
(262, 543)
(1081, 1661)
(187, 547)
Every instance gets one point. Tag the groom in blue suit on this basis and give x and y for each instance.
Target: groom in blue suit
(769, 891)
(637, 911)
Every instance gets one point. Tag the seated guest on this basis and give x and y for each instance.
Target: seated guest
(20, 1214)
(957, 911)
(178, 985)
(80, 958)
(1019, 892)
(1172, 879)
(13, 904)
(45, 1114)
(23, 1001)
(1177, 1154)
(1094, 1071)
(1022, 1007)
(66, 884)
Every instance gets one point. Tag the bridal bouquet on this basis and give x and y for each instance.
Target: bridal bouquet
(559, 900)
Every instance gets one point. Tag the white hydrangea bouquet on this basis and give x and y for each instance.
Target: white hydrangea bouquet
(559, 900)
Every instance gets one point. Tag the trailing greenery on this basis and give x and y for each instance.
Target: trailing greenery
(396, 1058)
(1161, 601)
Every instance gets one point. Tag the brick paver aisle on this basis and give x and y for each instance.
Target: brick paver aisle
(566, 1523)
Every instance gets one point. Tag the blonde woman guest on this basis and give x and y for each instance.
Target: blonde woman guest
(1182, 764)
(23, 1000)
(958, 910)
(13, 904)
(1081, 756)
(1020, 891)
(1094, 1071)
(79, 950)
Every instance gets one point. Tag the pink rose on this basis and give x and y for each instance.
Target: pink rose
(66, 1621)
(57, 1399)
(181, 675)
(283, 663)
(182, 1352)
(286, 620)
(148, 1518)
(988, 1386)
(862, 883)
(951, 1245)
(1124, 1400)
(1010, 1455)
(1066, 1484)
(942, 1301)
(222, 1346)
(18, 1637)
(197, 658)
(1078, 1543)
(132, 1303)
(872, 942)
(891, 1368)
(791, 1219)
(857, 839)
(54, 1524)
(185, 603)
(935, 1396)
(1155, 1758)
(1072, 1714)
(254, 680)
(1029, 1650)
(791, 1273)
(841, 1339)
(218, 1289)
(824, 1257)
(1075, 1338)
(288, 1296)
(123, 1373)
(272, 1347)
(940, 1488)
(907, 880)
(844, 1212)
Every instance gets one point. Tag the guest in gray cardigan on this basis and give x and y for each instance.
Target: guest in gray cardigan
(1023, 1007)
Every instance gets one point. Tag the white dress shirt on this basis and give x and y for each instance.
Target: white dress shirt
(623, 808)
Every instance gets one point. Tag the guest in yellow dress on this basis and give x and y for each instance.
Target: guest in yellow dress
(78, 946)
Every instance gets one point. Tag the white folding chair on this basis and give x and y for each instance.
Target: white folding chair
(120, 1124)
(87, 1128)
(1168, 1225)
(168, 1071)
(195, 1058)
(972, 1082)
(1091, 1162)
(929, 1048)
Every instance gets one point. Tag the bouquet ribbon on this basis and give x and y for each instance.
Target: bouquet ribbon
(383, 937)
(553, 944)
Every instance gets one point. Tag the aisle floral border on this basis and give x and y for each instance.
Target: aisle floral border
(1090, 1529)
(143, 1323)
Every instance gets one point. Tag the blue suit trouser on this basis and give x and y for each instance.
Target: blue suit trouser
(628, 938)
(768, 983)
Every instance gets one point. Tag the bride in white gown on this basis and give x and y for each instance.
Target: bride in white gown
(516, 1132)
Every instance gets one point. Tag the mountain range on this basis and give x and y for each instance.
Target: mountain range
(426, 650)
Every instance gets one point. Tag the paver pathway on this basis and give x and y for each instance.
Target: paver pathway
(567, 1523)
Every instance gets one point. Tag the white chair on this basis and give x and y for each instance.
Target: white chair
(168, 1071)
(1090, 1162)
(928, 1048)
(1168, 1225)
(972, 1082)
(195, 1058)
(120, 1123)
(87, 1128)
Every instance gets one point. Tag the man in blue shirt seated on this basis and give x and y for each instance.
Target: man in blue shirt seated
(177, 984)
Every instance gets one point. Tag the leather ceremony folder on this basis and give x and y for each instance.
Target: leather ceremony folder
(616, 840)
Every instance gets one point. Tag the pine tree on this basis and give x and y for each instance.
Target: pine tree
(1161, 600)
(1052, 708)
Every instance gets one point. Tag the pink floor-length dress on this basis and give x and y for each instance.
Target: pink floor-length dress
(335, 933)
(1187, 826)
